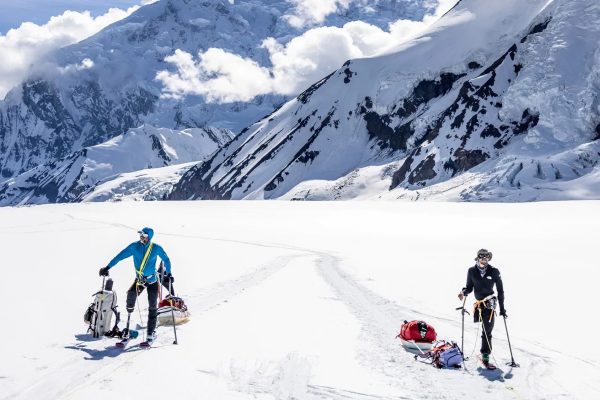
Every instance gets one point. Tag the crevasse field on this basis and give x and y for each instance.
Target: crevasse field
(294, 300)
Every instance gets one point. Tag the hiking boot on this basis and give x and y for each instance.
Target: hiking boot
(485, 360)
(150, 338)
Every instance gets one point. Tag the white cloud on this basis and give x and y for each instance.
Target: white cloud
(308, 12)
(220, 76)
(229, 74)
(86, 63)
(23, 47)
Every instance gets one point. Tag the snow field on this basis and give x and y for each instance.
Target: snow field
(300, 300)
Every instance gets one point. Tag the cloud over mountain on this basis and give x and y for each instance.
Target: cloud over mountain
(223, 77)
(22, 48)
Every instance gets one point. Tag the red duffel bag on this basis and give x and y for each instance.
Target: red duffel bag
(418, 331)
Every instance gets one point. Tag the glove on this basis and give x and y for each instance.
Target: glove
(103, 271)
(503, 313)
(169, 278)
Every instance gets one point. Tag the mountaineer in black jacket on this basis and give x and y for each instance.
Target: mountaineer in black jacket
(481, 278)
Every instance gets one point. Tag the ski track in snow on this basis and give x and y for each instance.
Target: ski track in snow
(380, 319)
(208, 299)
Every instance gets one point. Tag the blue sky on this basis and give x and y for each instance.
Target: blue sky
(14, 12)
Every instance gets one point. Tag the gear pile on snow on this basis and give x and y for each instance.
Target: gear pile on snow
(417, 335)
(99, 314)
(444, 355)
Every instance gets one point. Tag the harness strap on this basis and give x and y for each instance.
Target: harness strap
(144, 261)
(477, 306)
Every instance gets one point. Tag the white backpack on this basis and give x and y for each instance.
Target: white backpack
(99, 314)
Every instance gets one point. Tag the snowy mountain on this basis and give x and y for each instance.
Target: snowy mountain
(92, 91)
(496, 101)
(77, 176)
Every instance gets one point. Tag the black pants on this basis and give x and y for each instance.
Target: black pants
(487, 328)
(152, 302)
(165, 281)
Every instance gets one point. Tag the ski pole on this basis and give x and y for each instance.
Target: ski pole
(462, 312)
(99, 309)
(512, 362)
(172, 311)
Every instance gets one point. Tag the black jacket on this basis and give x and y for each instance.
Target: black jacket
(484, 286)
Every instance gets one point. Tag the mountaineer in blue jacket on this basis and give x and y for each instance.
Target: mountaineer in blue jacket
(144, 253)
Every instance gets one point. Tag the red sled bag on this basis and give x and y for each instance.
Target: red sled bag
(418, 333)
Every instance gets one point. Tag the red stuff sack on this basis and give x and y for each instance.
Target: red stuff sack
(419, 331)
(176, 302)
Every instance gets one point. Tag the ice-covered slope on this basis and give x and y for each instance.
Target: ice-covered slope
(142, 185)
(92, 91)
(74, 177)
(507, 90)
(297, 300)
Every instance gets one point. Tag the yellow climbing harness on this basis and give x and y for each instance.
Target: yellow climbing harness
(140, 272)
(477, 306)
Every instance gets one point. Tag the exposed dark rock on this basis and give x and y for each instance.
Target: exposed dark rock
(472, 124)
(44, 102)
(474, 65)
(227, 184)
(157, 145)
(500, 144)
(458, 121)
(464, 160)
(308, 156)
(597, 132)
(424, 171)
(425, 91)
(305, 96)
(511, 52)
(377, 127)
(490, 131)
(400, 175)
(349, 74)
(467, 159)
(518, 68)
(541, 27)
(193, 185)
(453, 7)
(303, 154)
(528, 121)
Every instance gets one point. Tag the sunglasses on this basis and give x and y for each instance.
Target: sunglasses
(144, 235)
(484, 256)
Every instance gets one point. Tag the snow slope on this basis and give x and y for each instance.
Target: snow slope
(294, 300)
(76, 176)
(142, 185)
(507, 91)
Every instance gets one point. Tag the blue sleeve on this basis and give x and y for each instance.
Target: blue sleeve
(126, 252)
(163, 256)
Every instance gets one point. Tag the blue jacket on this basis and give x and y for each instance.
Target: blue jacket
(138, 250)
